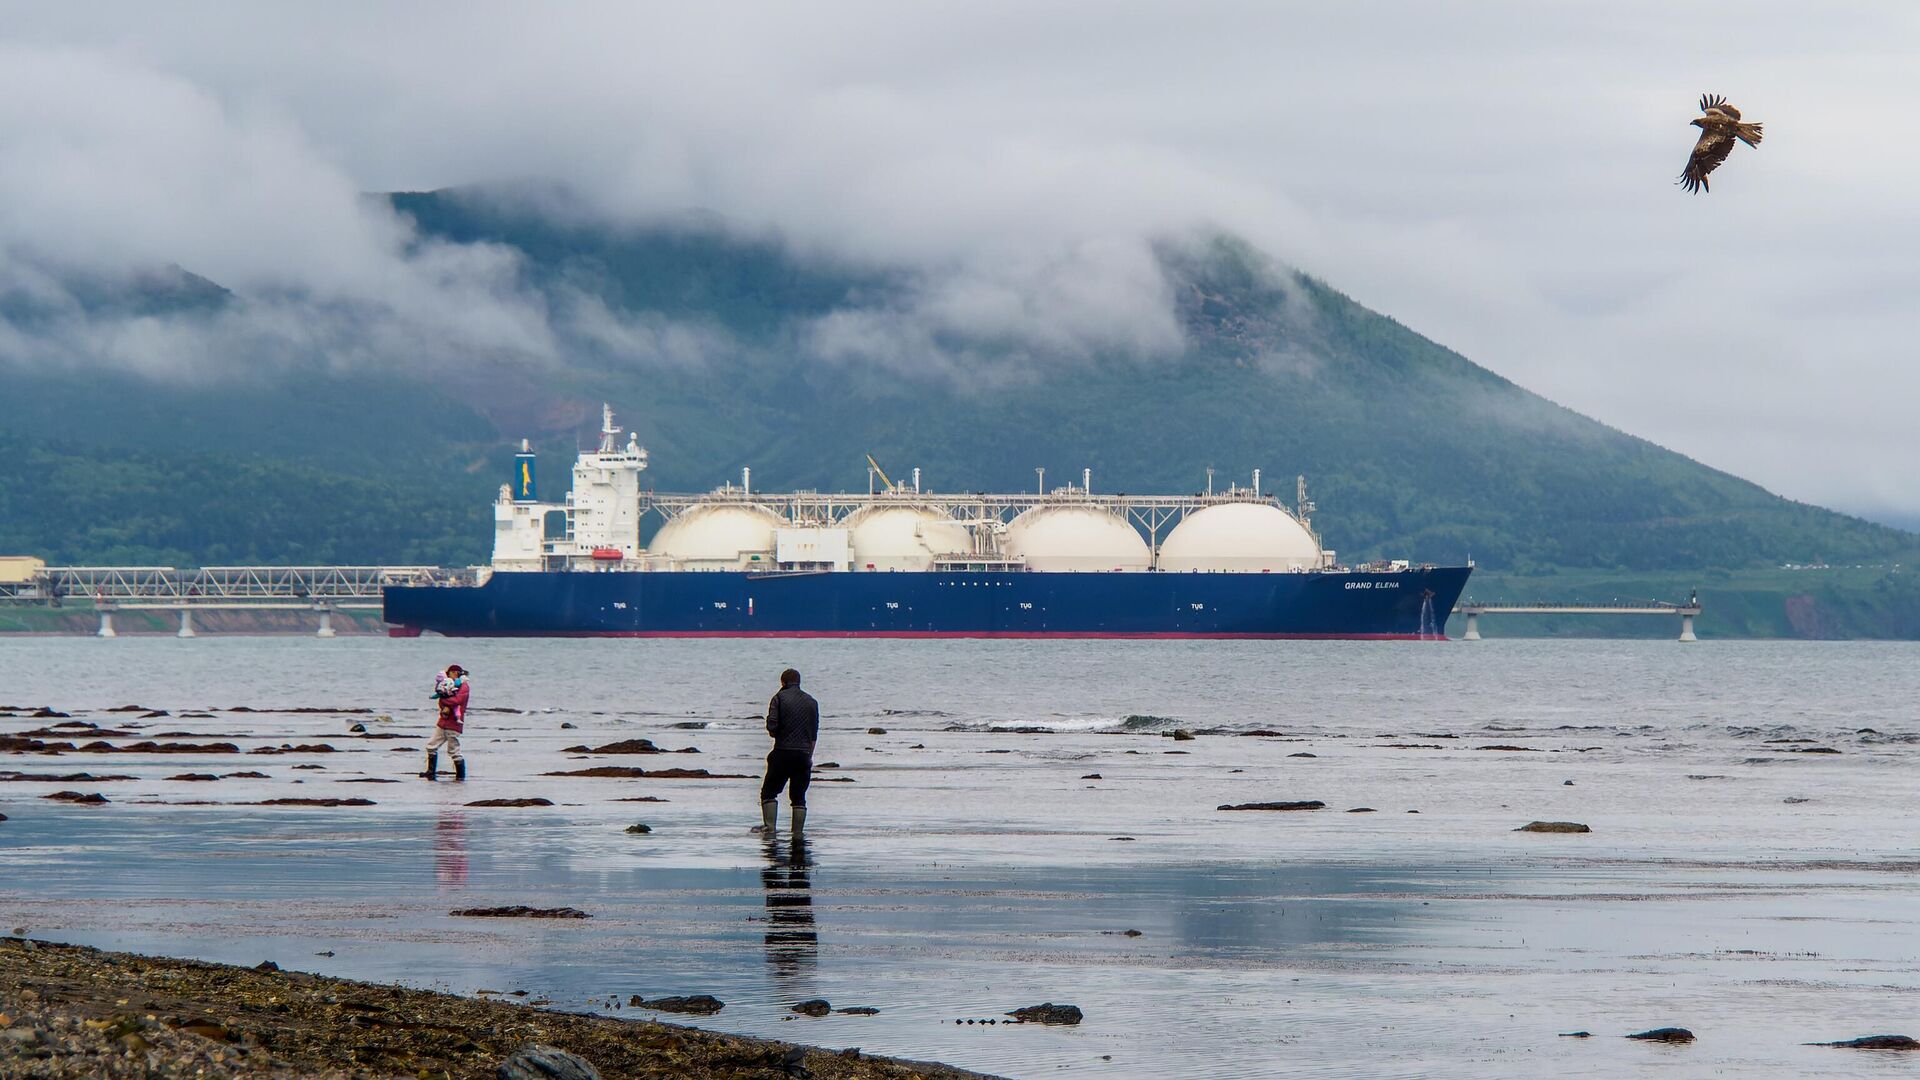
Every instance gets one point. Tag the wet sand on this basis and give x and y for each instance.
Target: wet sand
(1733, 882)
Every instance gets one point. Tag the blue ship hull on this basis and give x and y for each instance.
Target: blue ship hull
(1403, 604)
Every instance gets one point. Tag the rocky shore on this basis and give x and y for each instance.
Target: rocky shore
(70, 1011)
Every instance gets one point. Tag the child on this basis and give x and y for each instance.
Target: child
(451, 690)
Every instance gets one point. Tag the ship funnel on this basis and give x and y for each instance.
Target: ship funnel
(524, 488)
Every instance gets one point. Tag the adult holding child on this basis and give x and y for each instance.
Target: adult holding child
(451, 691)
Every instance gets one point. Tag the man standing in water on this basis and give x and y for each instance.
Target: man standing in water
(793, 719)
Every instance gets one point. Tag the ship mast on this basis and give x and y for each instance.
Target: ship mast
(609, 432)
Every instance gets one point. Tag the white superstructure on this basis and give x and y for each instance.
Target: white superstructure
(891, 528)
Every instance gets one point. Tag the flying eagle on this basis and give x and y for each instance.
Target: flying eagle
(1718, 128)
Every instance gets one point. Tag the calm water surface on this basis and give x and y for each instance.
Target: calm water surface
(1734, 883)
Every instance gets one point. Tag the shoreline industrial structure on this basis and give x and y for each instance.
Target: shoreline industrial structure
(897, 561)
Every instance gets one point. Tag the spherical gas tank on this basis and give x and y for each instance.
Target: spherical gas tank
(1065, 538)
(1239, 537)
(714, 536)
(903, 537)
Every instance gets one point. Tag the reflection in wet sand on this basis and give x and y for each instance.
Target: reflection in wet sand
(793, 945)
(450, 849)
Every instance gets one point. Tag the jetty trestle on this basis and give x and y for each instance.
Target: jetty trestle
(1473, 610)
(323, 590)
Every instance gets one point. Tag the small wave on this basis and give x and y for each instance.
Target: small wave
(915, 712)
(1059, 725)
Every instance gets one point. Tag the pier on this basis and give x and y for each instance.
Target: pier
(322, 590)
(1473, 610)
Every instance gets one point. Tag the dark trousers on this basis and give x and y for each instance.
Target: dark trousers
(790, 769)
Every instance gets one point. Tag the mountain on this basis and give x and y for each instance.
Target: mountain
(1411, 449)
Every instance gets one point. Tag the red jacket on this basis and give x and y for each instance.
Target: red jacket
(453, 709)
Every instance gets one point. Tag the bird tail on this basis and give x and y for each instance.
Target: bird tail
(1748, 133)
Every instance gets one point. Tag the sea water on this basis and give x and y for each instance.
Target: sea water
(1735, 882)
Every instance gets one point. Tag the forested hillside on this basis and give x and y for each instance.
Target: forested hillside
(1411, 449)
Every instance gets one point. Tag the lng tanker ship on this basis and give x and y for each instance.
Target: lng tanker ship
(902, 562)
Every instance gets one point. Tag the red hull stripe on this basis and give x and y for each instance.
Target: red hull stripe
(917, 634)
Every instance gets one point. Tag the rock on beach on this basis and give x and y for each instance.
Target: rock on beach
(692, 1004)
(629, 772)
(624, 746)
(536, 1062)
(520, 911)
(1047, 1013)
(1553, 827)
(1665, 1035)
(1876, 1042)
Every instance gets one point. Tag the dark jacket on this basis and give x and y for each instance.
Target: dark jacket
(793, 719)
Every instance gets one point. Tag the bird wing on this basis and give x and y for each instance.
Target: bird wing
(1711, 102)
(1708, 153)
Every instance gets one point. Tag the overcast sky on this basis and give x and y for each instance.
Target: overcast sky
(1498, 176)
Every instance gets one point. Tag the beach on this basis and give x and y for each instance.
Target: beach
(78, 1012)
(999, 825)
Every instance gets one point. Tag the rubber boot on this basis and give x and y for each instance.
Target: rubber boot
(433, 766)
(460, 769)
(769, 818)
(799, 820)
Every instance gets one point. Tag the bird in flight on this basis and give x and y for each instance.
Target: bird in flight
(1719, 126)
